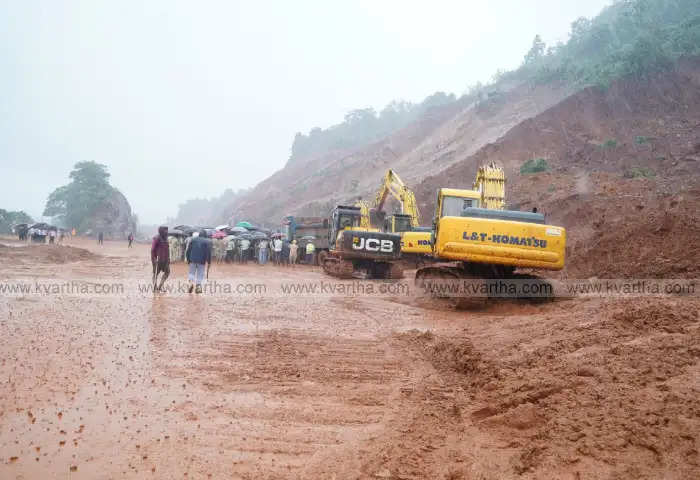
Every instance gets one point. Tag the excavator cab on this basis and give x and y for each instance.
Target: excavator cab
(398, 223)
(343, 218)
(354, 249)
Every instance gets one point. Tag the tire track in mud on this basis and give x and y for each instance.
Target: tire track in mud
(290, 395)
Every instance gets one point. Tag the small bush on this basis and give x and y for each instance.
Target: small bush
(612, 143)
(641, 140)
(534, 165)
(639, 172)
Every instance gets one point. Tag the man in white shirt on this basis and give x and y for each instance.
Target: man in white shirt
(276, 250)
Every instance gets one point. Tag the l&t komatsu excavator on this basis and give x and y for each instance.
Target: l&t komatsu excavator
(475, 238)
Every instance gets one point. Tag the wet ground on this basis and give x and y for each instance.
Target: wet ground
(173, 385)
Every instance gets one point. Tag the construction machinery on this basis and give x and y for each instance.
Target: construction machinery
(478, 239)
(305, 230)
(356, 250)
(415, 240)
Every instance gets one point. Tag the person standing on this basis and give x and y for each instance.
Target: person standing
(277, 250)
(293, 250)
(174, 248)
(262, 251)
(230, 248)
(160, 257)
(130, 238)
(244, 246)
(198, 255)
(310, 249)
(101, 237)
(284, 255)
(52, 236)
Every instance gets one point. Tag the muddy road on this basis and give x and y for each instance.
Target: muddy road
(128, 384)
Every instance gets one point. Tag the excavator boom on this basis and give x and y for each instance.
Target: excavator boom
(392, 184)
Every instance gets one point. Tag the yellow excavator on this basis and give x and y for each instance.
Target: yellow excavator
(474, 237)
(415, 240)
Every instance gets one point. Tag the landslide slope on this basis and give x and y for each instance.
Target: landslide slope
(440, 138)
(623, 174)
(623, 168)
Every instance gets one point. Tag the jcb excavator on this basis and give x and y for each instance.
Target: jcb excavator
(354, 249)
(472, 230)
(415, 240)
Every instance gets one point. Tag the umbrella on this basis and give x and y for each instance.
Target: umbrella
(175, 233)
(258, 235)
(218, 234)
(247, 225)
(222, 227)
(238, 230)
(41, 225)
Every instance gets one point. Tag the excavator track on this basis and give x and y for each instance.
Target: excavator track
(395, 271)
(337, 267)
(440, 282)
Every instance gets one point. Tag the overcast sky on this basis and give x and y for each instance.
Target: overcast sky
(184, 99)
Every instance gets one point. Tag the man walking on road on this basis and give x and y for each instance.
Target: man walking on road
(160, 257)
(198, 254)
(101, 237)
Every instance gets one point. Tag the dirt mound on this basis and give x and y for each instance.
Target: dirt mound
(610, 392)
(53, 254)
(615, 392)
(646, 318)
(456, 355)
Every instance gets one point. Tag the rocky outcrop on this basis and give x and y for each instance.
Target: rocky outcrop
(113, 216)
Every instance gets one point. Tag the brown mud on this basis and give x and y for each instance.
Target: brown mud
(215, 386)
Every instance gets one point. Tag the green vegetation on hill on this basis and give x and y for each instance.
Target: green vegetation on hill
(534, 165)
(630, 37)
(364, 126)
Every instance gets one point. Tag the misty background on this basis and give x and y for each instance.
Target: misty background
(184, 100)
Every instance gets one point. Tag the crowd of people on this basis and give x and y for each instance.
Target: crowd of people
(275, 249)
(41, 233)
(198, 250)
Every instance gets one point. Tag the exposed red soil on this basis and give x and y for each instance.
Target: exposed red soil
(214, 386)
(20, 253)
(617, 226)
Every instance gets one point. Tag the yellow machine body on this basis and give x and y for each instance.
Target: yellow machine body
(516, 243)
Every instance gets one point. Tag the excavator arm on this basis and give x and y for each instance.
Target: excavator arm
(392, 184)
